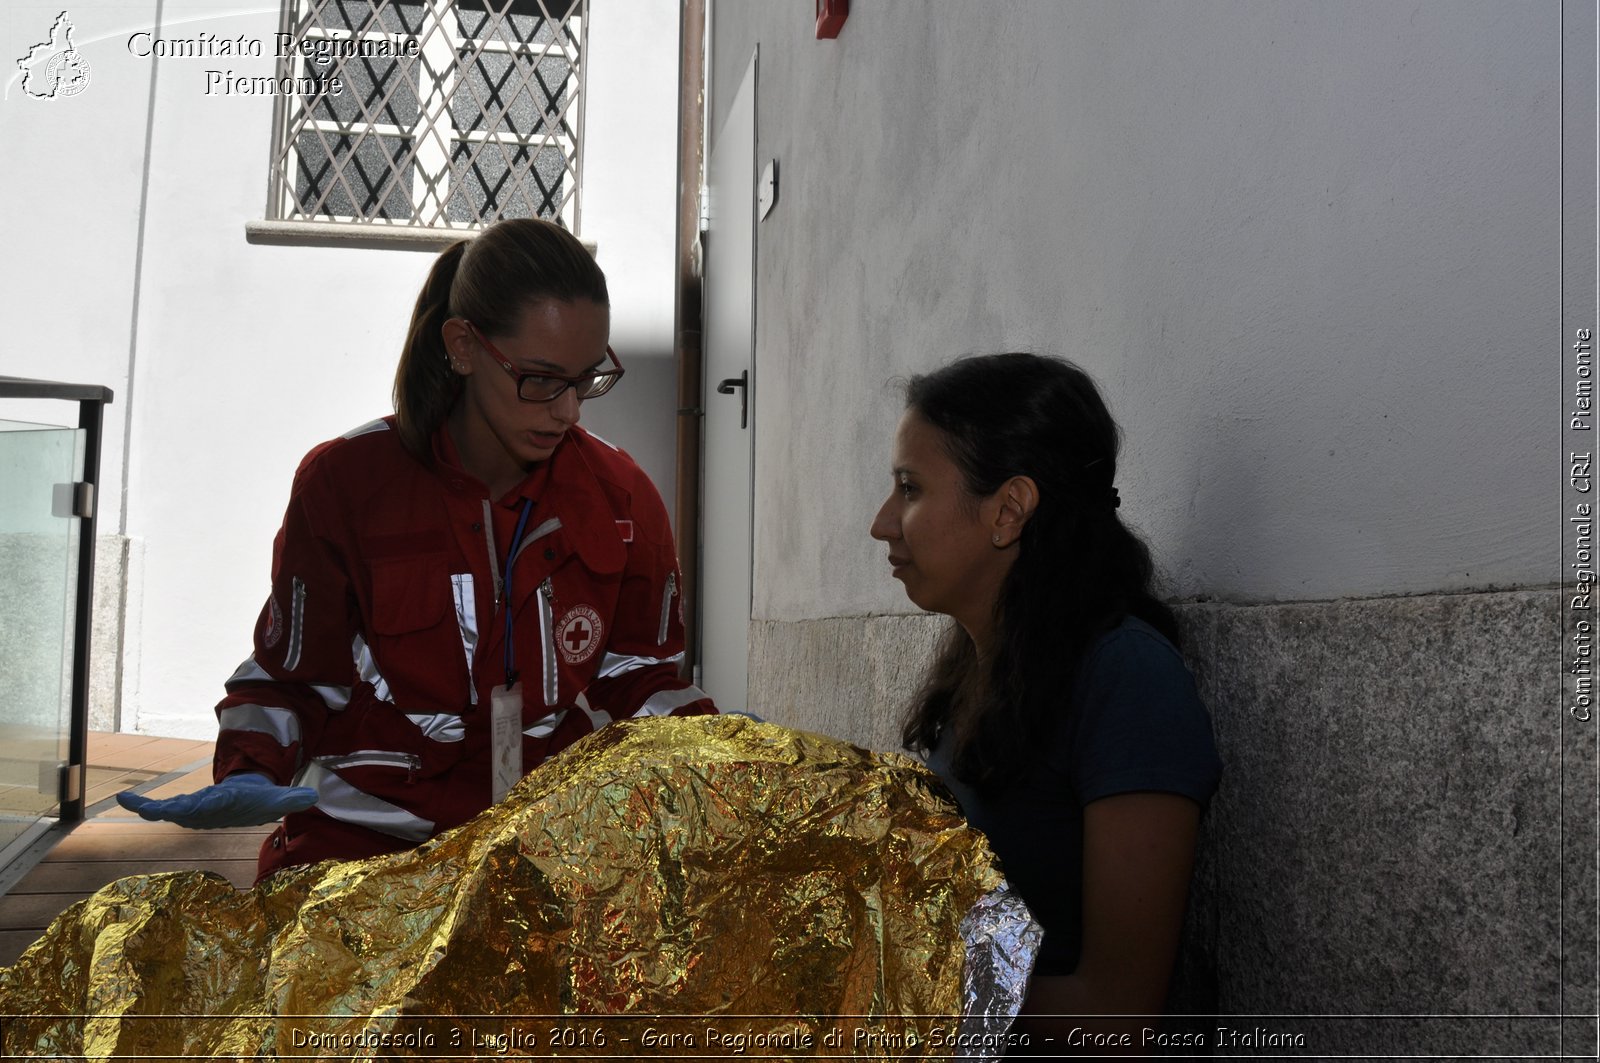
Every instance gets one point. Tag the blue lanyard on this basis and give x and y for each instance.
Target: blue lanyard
(511, 557)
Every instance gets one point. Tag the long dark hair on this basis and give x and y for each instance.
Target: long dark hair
(1079, 570)
(488, 280)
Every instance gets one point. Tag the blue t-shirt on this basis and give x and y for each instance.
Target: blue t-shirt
(1135, 723)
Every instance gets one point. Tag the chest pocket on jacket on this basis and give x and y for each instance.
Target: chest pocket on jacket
(415, 641)
(408, 594)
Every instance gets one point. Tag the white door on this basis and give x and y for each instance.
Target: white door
(729, 402)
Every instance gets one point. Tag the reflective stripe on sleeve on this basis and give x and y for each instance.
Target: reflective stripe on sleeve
(440, 726)
(251, 672)
(342, 801)
(597, 719)
(545, 725)
(663, 702)
(281, 724)
(336, 698)
(613, 664)
(248, 672)
(367, 669)
(291, 658)
(379, 425)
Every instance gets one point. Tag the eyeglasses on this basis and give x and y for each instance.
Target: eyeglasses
(547, 387)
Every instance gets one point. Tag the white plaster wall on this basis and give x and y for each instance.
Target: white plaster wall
(1309, 251)
(248, 355)
(629, 206)
(69, 176)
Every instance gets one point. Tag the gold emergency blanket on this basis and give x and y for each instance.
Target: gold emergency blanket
(710, 886)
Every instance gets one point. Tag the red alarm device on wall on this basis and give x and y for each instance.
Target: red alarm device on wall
(830, 18)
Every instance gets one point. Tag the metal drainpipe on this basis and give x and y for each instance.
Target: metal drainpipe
(687, 316)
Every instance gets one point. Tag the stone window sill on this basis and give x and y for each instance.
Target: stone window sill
(377, 237)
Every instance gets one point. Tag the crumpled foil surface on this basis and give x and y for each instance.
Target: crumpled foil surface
(709, 886)
(1002, 941)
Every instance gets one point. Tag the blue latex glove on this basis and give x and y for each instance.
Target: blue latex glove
(244, 799)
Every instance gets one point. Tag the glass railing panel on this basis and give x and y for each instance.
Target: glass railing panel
(38, 589)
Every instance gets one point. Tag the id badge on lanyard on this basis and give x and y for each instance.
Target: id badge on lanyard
(505, 707)
(505, 723)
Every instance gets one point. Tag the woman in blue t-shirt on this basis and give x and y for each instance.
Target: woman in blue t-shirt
(1058, 709)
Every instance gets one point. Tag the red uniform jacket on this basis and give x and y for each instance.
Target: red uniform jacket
(384, 637)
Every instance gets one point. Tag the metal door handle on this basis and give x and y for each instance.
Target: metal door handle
(742, 382)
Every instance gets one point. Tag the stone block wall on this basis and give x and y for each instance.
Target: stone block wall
(1388, 837)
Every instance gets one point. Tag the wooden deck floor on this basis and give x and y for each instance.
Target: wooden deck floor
(111, 842)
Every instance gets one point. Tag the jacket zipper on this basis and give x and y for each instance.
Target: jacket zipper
(666, 606)
(374, 758)
(547, 629)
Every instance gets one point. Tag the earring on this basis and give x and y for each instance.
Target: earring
(997, 539)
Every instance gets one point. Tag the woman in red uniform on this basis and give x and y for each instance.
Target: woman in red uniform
(459, 590)
(1058, 709)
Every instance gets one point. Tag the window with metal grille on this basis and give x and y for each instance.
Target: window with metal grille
(472, 111)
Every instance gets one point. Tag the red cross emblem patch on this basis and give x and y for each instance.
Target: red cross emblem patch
(579, 634)
(274, 629)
